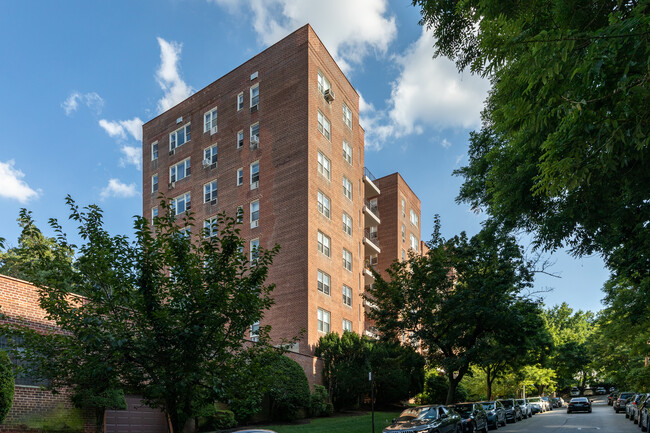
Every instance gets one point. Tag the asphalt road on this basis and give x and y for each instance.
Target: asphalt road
(603, 419)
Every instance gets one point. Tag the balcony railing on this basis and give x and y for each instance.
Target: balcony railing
(372, 206)
(371, 236)
(368, 174)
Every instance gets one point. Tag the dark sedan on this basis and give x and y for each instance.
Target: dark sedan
(495, 412)
(579, 404)
(473, 417)
(513, 411)
(424, 419)
(619, 403)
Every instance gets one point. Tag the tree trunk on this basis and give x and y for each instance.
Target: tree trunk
(451, 392)
(490, 379)
(100, 412)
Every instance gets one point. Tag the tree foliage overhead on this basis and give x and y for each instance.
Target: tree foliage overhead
(564, 152)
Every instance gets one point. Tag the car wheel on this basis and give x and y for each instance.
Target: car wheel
(568, 411)
(496, 424)
(589, 410)
(616, 409)
(485, 427)
(627, 415)
(644, 427)
(473, 428)
(504, 422)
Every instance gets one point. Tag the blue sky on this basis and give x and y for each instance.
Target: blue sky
(80, 77)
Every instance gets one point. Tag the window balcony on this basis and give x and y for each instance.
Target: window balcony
(371, 242)
(372, 213)
(371, 189)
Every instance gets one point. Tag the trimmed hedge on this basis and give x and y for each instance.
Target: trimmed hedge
(6, 385)
(319, 404)
(289, 391)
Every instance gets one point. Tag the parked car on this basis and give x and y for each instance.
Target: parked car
(634, 405)
(600, 391)
(643, 415)
(472, 416)
(579, 404)
(430, 418)
(611, 397)
(526, 411)
(495, 412)
(555, 402)
(575, 391)
(588, 392)
(547, 401)
(513, 411)
(560, 401)
(536, 405)
(619, 403)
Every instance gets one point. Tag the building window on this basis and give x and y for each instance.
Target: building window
(347, 325)
(255, 95)
(403, 233)
(347, 152)
(154, 151)
(210, 192)
(181, 204)
(210, 227)
(255, 135)
(414, 242)
(324, 243)
(240, 176)
(323, 165)
(347, 187)
(347, 224)
(179, 137)
(240, 139)
(179, 171)
(255, 331)
(240, 101)
(323, 320)
(255, 175)
(324, 125)
(154, 213)
(323, 83)
(323, 204)
(324, 282)
(255, 214)
(240, 214)
(415, 220)
(347, 260)
(210, 156)
(255, 246)
(347, 295)
(403, 207)
(347, 116)
(154, 183)
(403, 255)
(210, 121)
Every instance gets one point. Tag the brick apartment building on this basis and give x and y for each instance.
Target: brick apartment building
(277, 140)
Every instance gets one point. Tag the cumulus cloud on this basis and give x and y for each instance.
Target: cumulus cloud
(131, 155)
(118, 189)
(445, 143)
(169, 77)
(12, 185)
(91, 100)
(428, 93)
(349, 29)
(120, 128)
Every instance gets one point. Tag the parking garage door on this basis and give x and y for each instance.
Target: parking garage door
(137, 418)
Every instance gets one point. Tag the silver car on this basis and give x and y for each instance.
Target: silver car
(526, 411)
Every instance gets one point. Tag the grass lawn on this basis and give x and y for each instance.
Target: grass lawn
(348, 424)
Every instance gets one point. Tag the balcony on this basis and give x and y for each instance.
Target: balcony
(369, 263)
(368, 180)
(371, 211)
(371, 242)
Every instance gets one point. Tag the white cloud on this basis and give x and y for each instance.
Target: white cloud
(91, 100)
(445, 143)
(168, 76)
(11, 184)
(119, 128)
(132, 155)
(428, 93)
(115, 188)
(349, 29)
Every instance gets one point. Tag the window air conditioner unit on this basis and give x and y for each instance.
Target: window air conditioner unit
(171, 185)
(255, 223)
(213, 130)
(254, 108)
(255, 184)
(206, 162)
(329, 95)
(171, 152)
(255, 142)
(213, 201)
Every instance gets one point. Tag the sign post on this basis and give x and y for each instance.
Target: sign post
(372, 400)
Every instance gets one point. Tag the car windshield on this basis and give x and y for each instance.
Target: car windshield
(463, 409)
(534, 400)
(579, 400)
(521, 402)
(488, 406)
(506, 403)
(418, 413)
(625, 395)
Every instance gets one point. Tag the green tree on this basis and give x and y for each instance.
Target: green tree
(563, 152)
(540, 377)
(165, 311)
(6, 385)
(452, 298)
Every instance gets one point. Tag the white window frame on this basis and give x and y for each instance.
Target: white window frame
(347, 325)
(324, 165)
(185, 170)
(347, 260)
(154, 151)
(324, 126)
(240, 176)
(324, 204)
(154, 213)
(186, 199)
(210, 121)
(255, 331)
(323, 83)
(239, 215)
(347, 187)
(254, 251)
(240, 101)
(210, 228)
(347, 298)
(255, 138)
(347, 116)
(240, 139)
(324, 320)
(255, 176)
(154, 183)
(403, 233)
(255, 98)
(414, 218)
(347, 152)
(403, 208)
(255, 213)
(347, 228)
(210, 191)
(414, 242)
(210, 155)
(324, 244)
(324, 282)
(173, 137)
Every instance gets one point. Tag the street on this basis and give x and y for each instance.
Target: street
(603, 419)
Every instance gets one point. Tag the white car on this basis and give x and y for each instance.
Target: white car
(575, 392)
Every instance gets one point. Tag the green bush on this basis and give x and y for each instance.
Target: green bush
(209, 418)
(6, 385)
(289, 391)
(58, 420)
(319, 404)
(435, 390)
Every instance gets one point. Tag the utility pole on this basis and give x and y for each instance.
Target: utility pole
(372, 399)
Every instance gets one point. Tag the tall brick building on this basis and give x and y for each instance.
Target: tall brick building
(277, 141)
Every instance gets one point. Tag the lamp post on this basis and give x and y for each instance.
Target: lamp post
(372, 400)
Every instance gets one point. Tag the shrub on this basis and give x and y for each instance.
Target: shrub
(289, 391)
(6, 385)
(319, 404)
(209, 418)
